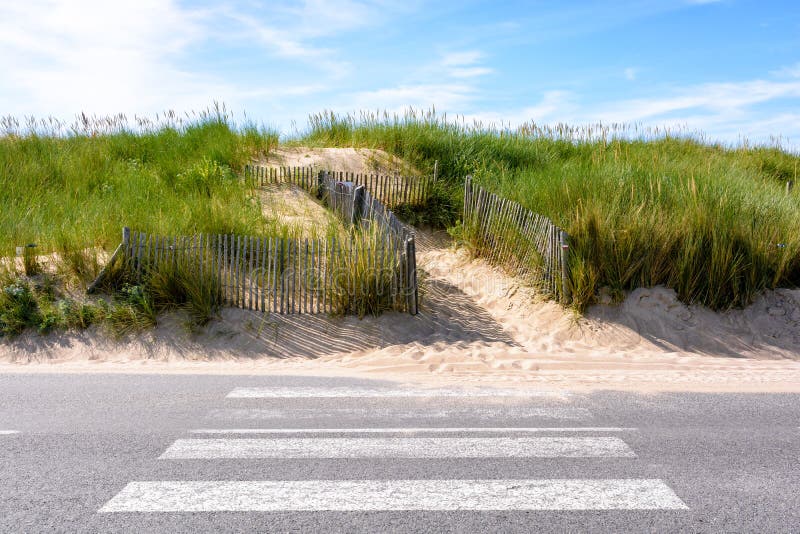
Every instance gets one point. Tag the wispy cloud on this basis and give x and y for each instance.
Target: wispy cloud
(299, 31)
(730, 111)
(449, 82)
(107, 56)
(630, 73)
(420, 96)
(461, 59)
(713, 98)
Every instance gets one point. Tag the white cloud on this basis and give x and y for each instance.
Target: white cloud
(100, 56)
(294, 31)
(713, 98)
(630, 73)
(554, 104)
(420, 96)
(461, 65)
(142, 56)
(461, 59)
(469, 72)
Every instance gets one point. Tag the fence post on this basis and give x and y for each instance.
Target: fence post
(358, 204)
(121, 249)
(411, 276)
(321, 184)
(566, 296)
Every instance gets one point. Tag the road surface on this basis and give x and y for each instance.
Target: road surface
(184, 453)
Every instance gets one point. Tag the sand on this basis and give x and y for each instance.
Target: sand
(356, 160)
(477, 325)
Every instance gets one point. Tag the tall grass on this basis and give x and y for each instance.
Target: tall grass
(73, 189)
(643, 207)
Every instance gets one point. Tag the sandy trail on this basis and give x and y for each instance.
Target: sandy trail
(476, 325)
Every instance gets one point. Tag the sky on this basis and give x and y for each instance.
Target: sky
(727, 68)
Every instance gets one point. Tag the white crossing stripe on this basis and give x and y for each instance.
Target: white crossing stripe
(406, 430)
(377, 495)
(540, 447)
(341, 392)
(551, 412)
(8, 432)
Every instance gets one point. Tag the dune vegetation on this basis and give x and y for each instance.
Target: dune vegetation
(75, 191)
(642, 208)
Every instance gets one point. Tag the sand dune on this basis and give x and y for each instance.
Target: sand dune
(476, 324)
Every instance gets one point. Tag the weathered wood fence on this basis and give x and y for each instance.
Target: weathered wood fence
(372, 270)
(391, 191)
(530, 244)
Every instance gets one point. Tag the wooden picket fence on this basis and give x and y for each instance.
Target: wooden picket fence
(391, 191)
(284, 275)
(530, 244)
(373, 270)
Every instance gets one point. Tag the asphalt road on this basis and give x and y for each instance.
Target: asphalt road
(121, 453)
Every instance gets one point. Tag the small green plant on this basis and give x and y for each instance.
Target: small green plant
(180, 286)
(18, 309)
(78, 315)
(132, 311)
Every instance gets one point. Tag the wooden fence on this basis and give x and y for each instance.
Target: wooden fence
(391, 191)
(282, 275)
(530, 244)
(373, 270)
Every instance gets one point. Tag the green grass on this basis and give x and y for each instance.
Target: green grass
(70, 190)
(712, 222)
(69, 193)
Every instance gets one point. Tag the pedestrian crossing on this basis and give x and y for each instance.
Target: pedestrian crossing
(506, 447)
(381, 495)
(411, 430)
(408, 443)
(351, 392)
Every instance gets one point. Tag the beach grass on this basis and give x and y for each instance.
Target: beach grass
(642, 207)
(73, 191)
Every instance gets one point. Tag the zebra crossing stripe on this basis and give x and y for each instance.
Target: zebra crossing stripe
(408, 430)
(382, 495)
(550, 412)
(8, 432)
(342, 392)
(401, 447)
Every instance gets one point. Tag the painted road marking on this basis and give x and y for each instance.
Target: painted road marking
(341, 392)
(426, 430)
(377, 495)
(477, 412)
(540, 447)
(8, 432)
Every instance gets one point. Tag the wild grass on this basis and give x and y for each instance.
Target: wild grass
(642, 207)
(73, 189)
(366, 273)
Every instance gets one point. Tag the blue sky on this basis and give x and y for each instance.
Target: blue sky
(730, 68)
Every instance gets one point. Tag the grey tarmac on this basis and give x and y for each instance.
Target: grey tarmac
(78, 449)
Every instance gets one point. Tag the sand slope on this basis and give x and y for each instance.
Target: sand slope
(476, 324)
